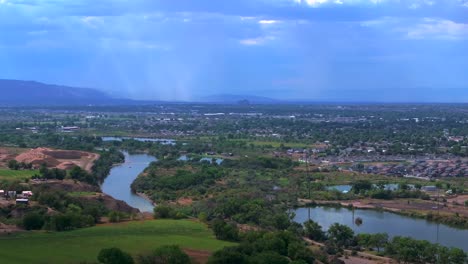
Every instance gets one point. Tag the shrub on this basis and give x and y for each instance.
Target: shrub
(114, 256)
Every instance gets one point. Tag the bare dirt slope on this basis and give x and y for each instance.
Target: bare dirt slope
(53, 158)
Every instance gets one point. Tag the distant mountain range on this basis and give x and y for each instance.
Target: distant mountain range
(31, 93)
(234, 98)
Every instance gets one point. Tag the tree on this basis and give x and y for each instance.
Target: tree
(13, 164)
(364, 240)
(379, 240)
(225, 231)
(298, 251)
(268, 257)
(313, 231)
(166, 255)
(361, 185)
(457, 255)
(114, 256)
(33, 221)
(340, 235)
(163, 211)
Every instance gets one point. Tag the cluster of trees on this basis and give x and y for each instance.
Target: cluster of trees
(70, 212)
(169, 254)
(408, 250)
(403, 249)
(103, 165)
(15, 165)
(163, 211)
(69, 219)
(45, 173)
(258, 247)
(256, 163)
(245, 208)
(165, 187)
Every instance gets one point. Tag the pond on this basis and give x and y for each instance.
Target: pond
(347, 188)
(341, 188)
(117, 184)
(210, 160)
(160, 140)
(385, 222)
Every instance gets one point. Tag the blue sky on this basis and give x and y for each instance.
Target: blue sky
(322, 50)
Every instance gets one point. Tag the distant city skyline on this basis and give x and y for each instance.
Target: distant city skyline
(315, 50)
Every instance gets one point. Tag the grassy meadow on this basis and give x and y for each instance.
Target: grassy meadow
(7, 174)
(84, 244)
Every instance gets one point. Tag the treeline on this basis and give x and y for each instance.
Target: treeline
(169, 254)
(103, 165)
(367, 189)
(79, 142)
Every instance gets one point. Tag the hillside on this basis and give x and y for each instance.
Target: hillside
(15, 92)
(84, 244)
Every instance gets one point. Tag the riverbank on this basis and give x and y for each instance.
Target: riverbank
(146, 197)
(444, 214)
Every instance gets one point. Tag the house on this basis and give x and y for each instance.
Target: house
(69, 128)
(429, 188)
(27, 193)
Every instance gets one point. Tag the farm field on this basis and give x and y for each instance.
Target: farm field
(7, 174)
(84, 244)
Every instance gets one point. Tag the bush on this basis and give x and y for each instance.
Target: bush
(225, 231)
(228, 255)
(164, 212)
(167, 255)
(114, 256)
(115, 216)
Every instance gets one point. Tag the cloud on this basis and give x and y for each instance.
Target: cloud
(268, 22)
(92, 21)
(411, 4)
(438, 29)
(256, 41)
(316, 3)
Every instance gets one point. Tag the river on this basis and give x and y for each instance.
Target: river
(117, 184)
(386, 222)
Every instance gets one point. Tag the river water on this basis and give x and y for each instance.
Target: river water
(117, 184)
(386, 222)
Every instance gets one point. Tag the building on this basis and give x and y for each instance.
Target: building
(22, 201)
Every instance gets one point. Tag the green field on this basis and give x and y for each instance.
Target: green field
(7, 174)
(80, 194)
(84, 244)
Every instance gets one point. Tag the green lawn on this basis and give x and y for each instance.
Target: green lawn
(84, 244)
(8, 174)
